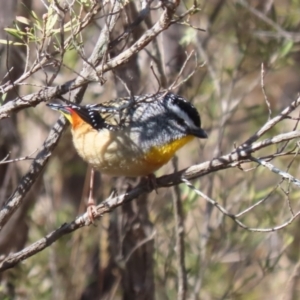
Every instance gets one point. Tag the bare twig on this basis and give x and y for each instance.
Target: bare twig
(48, 93)
(271, 123)
(188, 57)
(280, 31)
(275, 170)
(15, 200)
(234, 217)
(41, 159)
(180, 237)
(262, 82)
(110, 204)
(5, 160)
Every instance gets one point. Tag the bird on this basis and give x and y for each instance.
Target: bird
(132, 136)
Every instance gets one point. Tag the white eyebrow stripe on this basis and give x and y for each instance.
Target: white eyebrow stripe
(183, 115)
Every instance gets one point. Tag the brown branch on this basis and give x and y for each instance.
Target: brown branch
(234, 217)
(271, 123)
(15, 200)
(280, 31)
(180, 237)
(196, 171)
(230, 160)
(37, 166)
(5, 160)
(48, 93)
(43, 59)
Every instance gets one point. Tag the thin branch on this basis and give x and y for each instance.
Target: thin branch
(271, 123)
(139, 245)
(15, 200)
(224, 211)
(162, 24)
(239, 155)
(262, 83)
(188, 57)
(180, 238)
(110, 204)
(281, 32)
(49, 93)
(248, 209)
(275, 170)
(5, 160)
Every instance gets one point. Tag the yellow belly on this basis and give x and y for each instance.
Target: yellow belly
(115, 153)
(161, 155)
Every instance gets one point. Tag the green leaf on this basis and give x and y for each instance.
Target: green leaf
(23, 20)
(11, 43)
(33, 14)
(14, 32)
(38, 25)
(188, 37)
(286, 48)
(51, 22)
(3, 97)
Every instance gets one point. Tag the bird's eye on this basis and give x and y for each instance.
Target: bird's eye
(180, 122)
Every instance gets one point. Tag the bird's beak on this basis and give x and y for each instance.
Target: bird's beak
(198, 132)
(59, 107)
(66, 111)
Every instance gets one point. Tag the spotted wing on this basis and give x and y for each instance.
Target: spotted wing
(118, 112)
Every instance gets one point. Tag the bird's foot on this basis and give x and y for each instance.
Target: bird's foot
(91, 210)
(150, 181)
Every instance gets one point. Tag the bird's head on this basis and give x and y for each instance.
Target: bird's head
(78, 115)
(69, 111)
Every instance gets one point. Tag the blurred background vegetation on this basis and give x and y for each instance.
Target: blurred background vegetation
(132, 253)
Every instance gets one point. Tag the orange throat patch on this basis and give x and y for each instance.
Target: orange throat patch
(161, 155)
